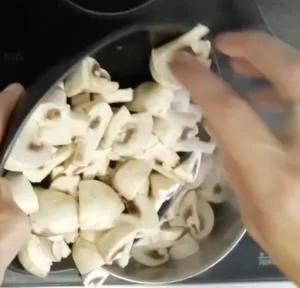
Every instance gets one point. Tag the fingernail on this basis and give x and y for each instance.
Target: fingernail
(182, 57)
(14, 88)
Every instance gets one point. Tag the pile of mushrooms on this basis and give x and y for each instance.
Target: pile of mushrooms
(95, 163)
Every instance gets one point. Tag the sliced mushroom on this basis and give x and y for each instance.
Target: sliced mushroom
(136, 135)
(130, 178)
(13, 165)
(152, 255)
(66, 184)
(57, 172)
(95, 278)
(55, 238)
(86, 256)
(116, 127)
(123, 258)
(145, 188)
(165, 172)
(171, 233)
(202, 48)
(60, 250)
(185, 119)
(34, 259)
(80, 99)
(100, 116)
(194, 145)
(87, 78)
(93, 236)
(162, 189)
(184, 247)
(181, 100)
(78, 124)
(36, 175)
(29, 150)
(161, 56)
(151, 97)
(114, 241)
(85, 107)
(71, 237)
(120, 96)
(167, 131)
(188, 211)
(189, 168)
(190, 133)
(58, 214)
(99, 205)
(22, 192)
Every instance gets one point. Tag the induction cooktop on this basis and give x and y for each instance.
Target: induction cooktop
(35, 35)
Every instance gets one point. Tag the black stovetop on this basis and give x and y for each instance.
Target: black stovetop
(37, 34)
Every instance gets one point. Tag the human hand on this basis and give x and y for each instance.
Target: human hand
(264, 170)
(14, 224)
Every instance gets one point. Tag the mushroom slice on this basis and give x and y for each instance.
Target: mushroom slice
(80, 99)
(22, 192)
(143, 215)
(165, 172)
(60, 250)
(29, 150)
(168, 132)
(114, 241)
(87, 78)
(86, 256)
(57, 172)
(100, 116)
(99, 205)
(151, 97)
(130, 178)
(13, 165)
(202, 48)
(95, 278)
(71, 237)
(194, 145)
(116, 127)
(189, 168)
(78, 123)
(181, 100)
(152, 255)
(184, 247)
(120, 96)
(161, 56)
(66, 184)
(123, 258)
(188, 211)
(171, 233)
(36, 175)
(136, 135)
(58, 214)
(34, 259)
(93, 236)
(85, 107)
(145, 188)
(183, 118)
(162, 189)
(55, 238)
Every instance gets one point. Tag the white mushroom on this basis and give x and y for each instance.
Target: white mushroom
(86, 77)
(78, 124)
(165, 172)
(162, 189)
(57, 172)
(99, 205)
(136, 135)
(181, 100)
(184, 247)
(22, 192)
(13, 165)
(171, 233)
(66, 184)
(60, 250)
(152, 255)
(34, 259)
(86, 256)
(167, 131)
(58, 214)
(95, 278)
(151, 97)
(93, 235)
(100, 116)
(71, 237)
(161, 56)
(80, 99)
(122, 259)
(120, 96)
(36, 175)
(114, 241)
(85, 107)
(183, 118)
(29, 150)
(194, 145)
(189, 168)
(145, 188)
(116, 127)
(130, 178)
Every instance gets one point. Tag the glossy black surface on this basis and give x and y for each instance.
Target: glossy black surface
(37, 35)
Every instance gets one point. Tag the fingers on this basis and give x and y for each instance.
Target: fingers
(243, 67)
(276, 60)
(14, 228)
(235, 125)
(8, 99)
